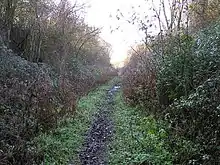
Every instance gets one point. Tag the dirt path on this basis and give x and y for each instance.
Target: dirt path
(97, 139)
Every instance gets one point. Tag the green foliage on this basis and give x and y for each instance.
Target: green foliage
(138, 139)
(63, 144)
(188, 76)
(28, 105)
(175, 72)
(187, 92)
(187, 63)
(197, 119)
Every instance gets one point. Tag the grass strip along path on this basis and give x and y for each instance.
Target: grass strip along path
(106, 131)
(70, 142)
(138, 140)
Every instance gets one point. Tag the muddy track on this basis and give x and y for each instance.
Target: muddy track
(95, 148)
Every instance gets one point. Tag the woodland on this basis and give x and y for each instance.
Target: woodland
(49, 57)
(55, 72)
(174, 76)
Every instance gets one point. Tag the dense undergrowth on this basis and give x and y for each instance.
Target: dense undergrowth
(62, 145)
(49, 58)
(178, 82)
(33, 101)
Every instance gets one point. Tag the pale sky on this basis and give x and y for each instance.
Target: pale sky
(121, 40)
(98, 15)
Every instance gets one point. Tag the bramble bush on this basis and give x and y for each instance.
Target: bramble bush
(188, 62)
(33, 98)
(197, 118)
(28, 106)
(175, 70)
(190, 82)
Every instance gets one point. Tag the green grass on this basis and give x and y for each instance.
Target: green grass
(62, 144)
(137, 139)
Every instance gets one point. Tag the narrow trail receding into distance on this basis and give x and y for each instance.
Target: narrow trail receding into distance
(95, 148)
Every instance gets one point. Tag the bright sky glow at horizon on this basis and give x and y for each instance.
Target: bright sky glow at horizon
(99, 15)
(121, 40)
(127, 35)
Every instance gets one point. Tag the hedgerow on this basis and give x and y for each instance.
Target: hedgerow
(186, 92)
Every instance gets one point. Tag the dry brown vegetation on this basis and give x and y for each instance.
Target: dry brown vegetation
(49, 57)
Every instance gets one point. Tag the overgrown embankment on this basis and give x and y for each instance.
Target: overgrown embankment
(33, 99)
(178, 82)
(49, 58)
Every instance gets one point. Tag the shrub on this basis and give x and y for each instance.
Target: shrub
(175, 71)
(28, 105)
(197, 119)
(187, 88)
(139, 81)
(187, 81)
(33, 98)
(187, 63)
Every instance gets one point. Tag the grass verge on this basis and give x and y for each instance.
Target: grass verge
(63, 144)
(137, 139)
